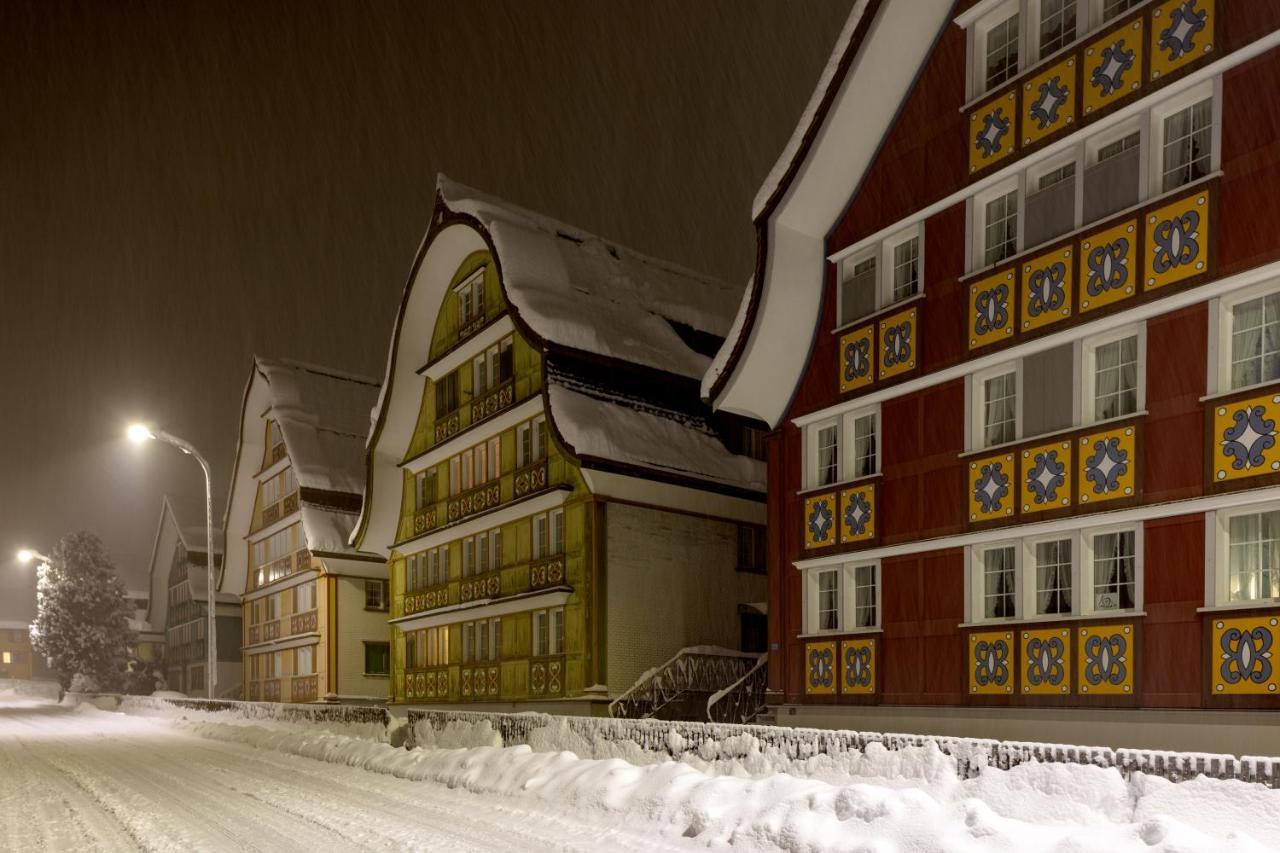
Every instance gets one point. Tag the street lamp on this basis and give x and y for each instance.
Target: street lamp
(140, 433)
(26, 555)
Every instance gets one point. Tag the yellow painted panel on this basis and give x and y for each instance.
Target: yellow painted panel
(991, 309)
(1113, 66)
(1108, 274)
(1242, 657)
(1046, 662)
(1107, 464)
(991, 487)
(1049, 101)
(820, 668)
(991, 663)
(820, 520)
(1244, 438)
(1177, 241)
(898, 340)
(992, 134)
(1181, 33)
(1046, 476)
(1106, 659)
(858, 514)
(856, 359)
(858, 666)
(1047, 287)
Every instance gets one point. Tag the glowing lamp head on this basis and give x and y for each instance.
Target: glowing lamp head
(26, 556)
(138, 433)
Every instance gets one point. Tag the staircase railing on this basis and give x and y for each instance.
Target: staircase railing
(743, 700)
(696, 669)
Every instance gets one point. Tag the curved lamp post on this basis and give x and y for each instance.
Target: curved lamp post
(26, 555)
(140, 433)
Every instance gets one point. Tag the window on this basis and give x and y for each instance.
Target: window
(1112, 180)
(1001, 52)
(864, 596)
(471, 299)
(753, 443)
(999, 583)
(479, 375)
(304, 597)
(8, 658)
(1255, 341)
(843, 598)
(548, 534)
(426, 647)
(1188, 143)
(1051, 206)
(1057, 25)
(557, 631)
(828, 455)
(1114, 573)
(1114, 8)
(829, 600)
(1115, 378)
(495, 550)
(304, 660)
(751, 549)
(880, 275)
(455, 476)
(495, 458)
(375, 595)
(843, 449)
(541, 645)
(1000, 229)
(556, 517)
(468, 641)
(424, 488)
(539, 438)
(1253, 556)
(524, 445)
(1053, 577)
(857, 288)
(447, 399)
(495, 638)
(506, 359)
(864, 445)
(468, 460)
(468, 556)
(377, 658)
(906, 269)
(999, 409)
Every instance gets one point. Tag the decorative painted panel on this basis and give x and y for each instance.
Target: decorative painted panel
(546, 677)
(1046, 662)
(991, 663)
(991, 309)
(858, 514)
(991, 486)
(1106, 656)
(1046, 477)
(898, 341)
(1177, 235)
(1049, 101)
(820, 520)
(1046, 287)
(820, 668)
(1244, 438)
(1242, 655)
(858, 666)
(992, 135)
(431, 684)
(1107, 464)
(1113, 66)
(1108, 274)
(1181, 33)
(856, 361)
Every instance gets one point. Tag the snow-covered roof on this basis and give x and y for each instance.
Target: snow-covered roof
(579, 291)
(869, 75)
(14, 625)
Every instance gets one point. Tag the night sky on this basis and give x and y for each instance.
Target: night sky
(185, 184)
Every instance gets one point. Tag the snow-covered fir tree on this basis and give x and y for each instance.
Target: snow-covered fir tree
(82, 619)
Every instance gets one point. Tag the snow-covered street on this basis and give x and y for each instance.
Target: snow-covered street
(82, 779)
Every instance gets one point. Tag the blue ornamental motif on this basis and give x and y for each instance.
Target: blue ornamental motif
(1107, 267)
(1109, 75)
(991, 663)
(1048, 289)
(821, 668)
(1104, 659)
(1046, 476)
(897, 344)
(1044, 661)
(1184, 23)
(1106, 466)
(992, 307)
(1052, 96)
(1246, 655)
(1176, 241)
(820, 521)
(857, 359)
(857, 515)
(1249, 437)
(857, 666)
(994, 126)
(991, 487)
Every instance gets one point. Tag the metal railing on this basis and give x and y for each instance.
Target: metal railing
(742, 701)
(692, 670)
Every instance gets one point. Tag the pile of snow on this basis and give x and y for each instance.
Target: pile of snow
(353, 721)
(35, 689)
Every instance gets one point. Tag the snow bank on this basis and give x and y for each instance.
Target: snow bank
(50, 690)
(364, 722)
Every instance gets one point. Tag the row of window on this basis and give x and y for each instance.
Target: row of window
(483, 552)
(470, 295)
(1087, 572)
(482, 463)
(182, 635)
(271, 664)
(179, 594)
(488, 370)
(8, 658)
(278, 487)
(271, 607)
(482, 640)
(277, 546)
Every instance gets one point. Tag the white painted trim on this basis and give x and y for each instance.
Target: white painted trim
(1138, 313)
(470, 348)
(281, 524)
(483, 431)
(608, 485)
(848, 605)
(1087, 372)
(484, 608)
(1189, 506)
(1218, 564)
(1000, 623)
(286, 582)
(292, 642)
(275, 468)
(1221, 327)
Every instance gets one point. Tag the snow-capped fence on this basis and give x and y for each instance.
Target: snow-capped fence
(785, 745)
(372, 720)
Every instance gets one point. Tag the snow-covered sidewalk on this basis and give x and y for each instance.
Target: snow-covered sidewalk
(208, 783)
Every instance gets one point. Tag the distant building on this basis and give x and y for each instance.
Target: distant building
(178, 603)
(559, 509)
(16, 654)
(149, 647)
(315, 608)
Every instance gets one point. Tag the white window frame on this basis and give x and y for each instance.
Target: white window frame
(846, 602)
(977, 577)
(812, 432)
(1221, 328)
(1211, 89)
(844, 424)
(882, 251)
(978, 217)
(977, 44)
(847, 451)
(1030, 589)
(1031, 185)
(1085, 561)
(975, 404)
(1218, 557)
(1088, 373)
(1033, 13)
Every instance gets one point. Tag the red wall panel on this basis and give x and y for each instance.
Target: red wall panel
(1177, 352)
(1173, 587)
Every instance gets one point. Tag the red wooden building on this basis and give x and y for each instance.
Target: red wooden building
(1016, 324)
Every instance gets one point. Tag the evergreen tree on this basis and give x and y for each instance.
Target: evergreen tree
(82, 619)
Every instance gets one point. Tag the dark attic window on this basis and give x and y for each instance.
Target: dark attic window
(703, 343)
